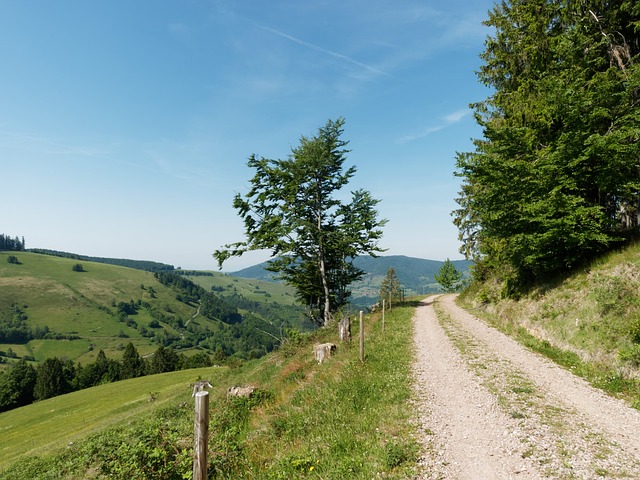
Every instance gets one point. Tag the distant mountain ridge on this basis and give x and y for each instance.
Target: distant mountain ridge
(416, 275)
(145, 265)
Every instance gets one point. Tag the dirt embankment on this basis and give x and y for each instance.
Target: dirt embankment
(490, 409)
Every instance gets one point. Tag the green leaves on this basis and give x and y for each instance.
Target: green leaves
(556, 177)
(293, 210)
(449, 277)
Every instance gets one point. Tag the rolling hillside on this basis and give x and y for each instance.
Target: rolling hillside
(338, 419)
(47, 309)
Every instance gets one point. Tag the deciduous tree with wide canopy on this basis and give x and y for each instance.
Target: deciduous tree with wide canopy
(295, 209)
(556, 177)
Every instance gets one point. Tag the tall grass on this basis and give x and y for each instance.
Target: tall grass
(338, 419)
(587, 320)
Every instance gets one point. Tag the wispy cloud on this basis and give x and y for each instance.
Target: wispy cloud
(46, 147)
(28, 141)
(447, 120)
(317, 48)
(455, 117)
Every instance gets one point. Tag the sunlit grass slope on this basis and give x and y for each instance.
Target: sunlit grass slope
(51, 424)
(251, 289)
(338, 419)
(83, 304)
(587, 320)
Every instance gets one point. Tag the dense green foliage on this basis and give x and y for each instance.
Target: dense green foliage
(17, 386)
(8, 243)
(449, 277)
(292, 210)
(556, 177)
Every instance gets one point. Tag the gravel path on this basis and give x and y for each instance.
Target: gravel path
(490, 409)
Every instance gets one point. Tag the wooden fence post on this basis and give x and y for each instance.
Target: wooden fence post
(383, 302)
(201, 434)
(361, 338)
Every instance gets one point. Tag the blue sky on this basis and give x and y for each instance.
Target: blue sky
(125, 126)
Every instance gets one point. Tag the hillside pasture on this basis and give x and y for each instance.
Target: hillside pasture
(82, 306)
(249, 288)
(54, 423)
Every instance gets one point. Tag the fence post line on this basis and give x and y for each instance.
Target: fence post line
(383, 302)
(361, 338)
(201, 435)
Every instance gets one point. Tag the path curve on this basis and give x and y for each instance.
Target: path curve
(490, 409)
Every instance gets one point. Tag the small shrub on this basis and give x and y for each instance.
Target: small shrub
(634, 330)
(397, 452)
(13, 259)
(78, 268)
(630, 355)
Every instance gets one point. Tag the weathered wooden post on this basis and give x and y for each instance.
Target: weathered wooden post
(383, 302)
(201, 434)
(361, 338)
(344, 329)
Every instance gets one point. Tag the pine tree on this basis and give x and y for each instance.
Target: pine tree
(53, 378)
(449, 277)
(390, 286)
(132, 363)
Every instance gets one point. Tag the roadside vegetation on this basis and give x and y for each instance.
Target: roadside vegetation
(587, 321)
(338, 419)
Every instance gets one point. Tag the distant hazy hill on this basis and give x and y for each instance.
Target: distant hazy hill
(416, 275)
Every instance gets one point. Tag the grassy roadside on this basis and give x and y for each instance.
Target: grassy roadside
(609, 377)
(587, 322)
(339, 419)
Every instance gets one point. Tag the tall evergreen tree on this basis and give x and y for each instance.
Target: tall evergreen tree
(164, 360)
(54, 377)
(132, 363)
(449, 277)
(556, 176)
(17, 386)
(390, 286)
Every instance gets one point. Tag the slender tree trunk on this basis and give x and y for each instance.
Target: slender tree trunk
(325, 286)
(322, 266)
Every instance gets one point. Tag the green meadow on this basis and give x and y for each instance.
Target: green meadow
(52, 424)
(81, 306)
(339, 419)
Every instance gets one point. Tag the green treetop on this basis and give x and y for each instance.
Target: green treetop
(294, 211)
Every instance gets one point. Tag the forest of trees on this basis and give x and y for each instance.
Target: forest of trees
(24, 383)
(14, 244)
(555, 179)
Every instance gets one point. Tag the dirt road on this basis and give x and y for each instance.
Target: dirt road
(491, 409)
